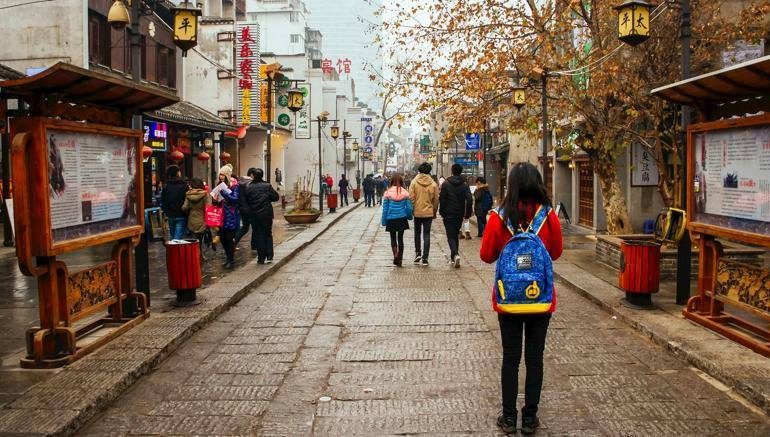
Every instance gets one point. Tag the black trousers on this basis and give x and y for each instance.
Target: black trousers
(452, 226)
(535, 328)
(246, 220)
(422, 232)
(343, 198)
(262, 237)
(397, 240)
(481, 222)
(369, 198)
(228, 243)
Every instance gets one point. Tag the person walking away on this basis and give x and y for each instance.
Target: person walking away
(482, 203)
(243, 208)
(260, 196)
(396, 212)
(195, 202)
(369, 187)
(171, 200)
(229, 196)
(344, 185)
(455, 205)
(527, 216)
(423, 192)
(380, 187)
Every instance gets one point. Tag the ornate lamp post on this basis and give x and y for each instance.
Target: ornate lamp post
(633, 33)
(322, 119)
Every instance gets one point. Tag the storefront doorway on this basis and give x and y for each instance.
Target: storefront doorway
(585, 193)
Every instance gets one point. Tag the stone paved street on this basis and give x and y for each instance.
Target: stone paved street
(340, 342)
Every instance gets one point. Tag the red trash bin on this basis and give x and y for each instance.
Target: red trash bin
(639, 271)
(331, 202)
(184, 269)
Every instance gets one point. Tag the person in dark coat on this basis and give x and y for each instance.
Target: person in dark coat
(344, 185)
(259, 196)
(482, 203)
(171, 200)
(369, 187)
(455, 205)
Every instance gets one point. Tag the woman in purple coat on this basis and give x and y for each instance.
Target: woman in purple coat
(228, 198)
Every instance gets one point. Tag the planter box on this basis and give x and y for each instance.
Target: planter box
(302, 218)
(608, 252)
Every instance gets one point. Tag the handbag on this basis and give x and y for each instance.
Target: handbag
(467, 226)
(215, 215)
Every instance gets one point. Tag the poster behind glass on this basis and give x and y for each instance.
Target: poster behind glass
(92, 180)
(731, 184)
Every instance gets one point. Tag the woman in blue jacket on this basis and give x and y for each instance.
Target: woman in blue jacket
(229, 201)
(396, 212)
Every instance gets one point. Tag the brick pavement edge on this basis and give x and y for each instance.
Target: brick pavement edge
(62, 404)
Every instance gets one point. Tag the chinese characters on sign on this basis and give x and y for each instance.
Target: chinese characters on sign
(247, 63)
(155, 135)
(644, 172)
(342, 66)
(302, 126)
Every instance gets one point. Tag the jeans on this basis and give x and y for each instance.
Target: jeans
(481, 221)
(177, 226)
(228, 243)
(262, 237)
(397, 240)
(344, 198)
(246, 223)
(452, 226)
(369, 199)
(422, 228)
(379, 198)
(535, 328)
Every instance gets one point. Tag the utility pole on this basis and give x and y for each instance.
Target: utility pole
(268, 146)
(684, 254)
(141, 251)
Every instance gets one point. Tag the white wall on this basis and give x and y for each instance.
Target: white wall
(201, 85)
(41, 34)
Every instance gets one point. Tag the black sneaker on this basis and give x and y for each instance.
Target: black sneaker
(417, 259)
(529, 424)
(507, 424)
(425, 262)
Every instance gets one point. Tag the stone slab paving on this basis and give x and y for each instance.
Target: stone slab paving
(340, 342)
(68, 398)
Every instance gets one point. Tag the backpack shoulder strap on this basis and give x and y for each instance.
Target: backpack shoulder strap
(501, 213)
(541, 216)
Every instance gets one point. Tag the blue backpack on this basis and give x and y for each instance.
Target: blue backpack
(524, 272)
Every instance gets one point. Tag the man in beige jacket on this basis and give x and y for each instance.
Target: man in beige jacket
(423, 192)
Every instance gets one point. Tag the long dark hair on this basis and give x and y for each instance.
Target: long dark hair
(397, 180)
(525, 185)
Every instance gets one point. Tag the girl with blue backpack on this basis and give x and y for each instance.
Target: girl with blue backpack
(524, 237)
(397, 210)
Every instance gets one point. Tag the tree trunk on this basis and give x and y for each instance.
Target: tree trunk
(615, 207)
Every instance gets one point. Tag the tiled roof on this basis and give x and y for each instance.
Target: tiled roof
(8, 73)
(193, 115)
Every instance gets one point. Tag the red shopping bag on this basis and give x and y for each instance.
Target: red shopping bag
(215, 216)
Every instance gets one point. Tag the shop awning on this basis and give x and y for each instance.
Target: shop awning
(69, 83)
(191, 115)
(742, 81)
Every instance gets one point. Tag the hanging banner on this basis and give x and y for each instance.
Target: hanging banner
(472, 141)
(302, 124)
(247, 61)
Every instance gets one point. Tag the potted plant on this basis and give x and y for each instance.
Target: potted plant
(303, 212)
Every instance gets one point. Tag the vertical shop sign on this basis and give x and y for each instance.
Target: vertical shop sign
(247, 60)
(302, 126)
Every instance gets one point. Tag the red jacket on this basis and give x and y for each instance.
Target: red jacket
(496, 235)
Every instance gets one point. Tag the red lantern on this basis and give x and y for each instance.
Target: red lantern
(203, 157)
(224, 157)
(146, 152)
(176, 156)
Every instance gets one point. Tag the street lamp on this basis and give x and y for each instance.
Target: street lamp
(354, 147)
(638, 11)
(296, 100)
(322, 119)
(185, 21)
(518, 94)
(633, 21)
(345, 136)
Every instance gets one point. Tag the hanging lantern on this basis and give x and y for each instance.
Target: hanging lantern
(185, 26)
(118, 16)
(296, 100)
(519, 97)
(633, 21)
(146, 153)
(176, 156)
(224, 157)
(354, 146)
(203, 157)
(335, 132)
